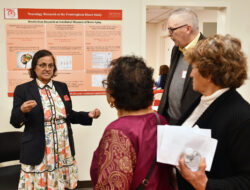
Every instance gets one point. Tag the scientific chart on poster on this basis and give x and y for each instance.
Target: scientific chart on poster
(83, 42)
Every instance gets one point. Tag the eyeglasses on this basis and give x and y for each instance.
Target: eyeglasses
(44, 65)
(171, 30)
(105, 84)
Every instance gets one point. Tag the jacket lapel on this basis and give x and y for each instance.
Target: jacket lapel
(188, 79)
(175, 57)
(35, 93)
(202, 121)
(174, 60)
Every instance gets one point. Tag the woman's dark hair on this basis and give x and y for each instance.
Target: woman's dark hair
(36, 57)
(130, 82)
(220, 57)
(163, 70)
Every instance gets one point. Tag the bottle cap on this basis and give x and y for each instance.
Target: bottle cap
(189, 151)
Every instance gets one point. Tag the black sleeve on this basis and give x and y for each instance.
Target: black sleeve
(76, 117)
(80, 118)
(239, 154)
(18, 118)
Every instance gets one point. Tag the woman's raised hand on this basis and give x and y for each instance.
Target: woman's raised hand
(28, 106)
(95, 113)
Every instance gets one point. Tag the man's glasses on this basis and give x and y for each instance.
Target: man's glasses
(44, 65)
(171, 30)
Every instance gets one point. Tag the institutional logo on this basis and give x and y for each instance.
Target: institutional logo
(10, 13)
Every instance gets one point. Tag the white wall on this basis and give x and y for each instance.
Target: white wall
(152, 44)
(240, 28)
(206, 16)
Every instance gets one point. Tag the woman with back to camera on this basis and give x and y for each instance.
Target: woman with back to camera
(219, 67)
(127, 149)
(44, 106)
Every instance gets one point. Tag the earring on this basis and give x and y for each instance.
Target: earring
(111, 104)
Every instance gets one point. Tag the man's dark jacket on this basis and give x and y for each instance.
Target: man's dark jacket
(188, 95)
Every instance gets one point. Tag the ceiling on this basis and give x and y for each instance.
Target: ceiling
(157, 14)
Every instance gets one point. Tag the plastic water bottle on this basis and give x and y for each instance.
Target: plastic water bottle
(192, 159)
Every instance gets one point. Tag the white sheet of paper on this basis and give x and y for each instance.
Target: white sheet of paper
(206, 132)
(173, 140)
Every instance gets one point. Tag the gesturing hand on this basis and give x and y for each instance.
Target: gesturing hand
(95, 113)
(197, 179)
(28, 106)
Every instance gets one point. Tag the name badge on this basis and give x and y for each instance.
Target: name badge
(183, 74)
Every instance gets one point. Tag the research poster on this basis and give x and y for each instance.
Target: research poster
(82, 41)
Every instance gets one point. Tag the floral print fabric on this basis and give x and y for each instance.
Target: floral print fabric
(117, 160)
(58, 169)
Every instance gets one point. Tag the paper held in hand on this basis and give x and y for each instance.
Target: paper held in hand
(173, 140)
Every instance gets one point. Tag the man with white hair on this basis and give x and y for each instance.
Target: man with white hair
(178, 96)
